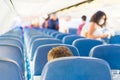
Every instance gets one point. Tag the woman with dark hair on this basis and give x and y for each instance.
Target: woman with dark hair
(97, 22)
(99, 18)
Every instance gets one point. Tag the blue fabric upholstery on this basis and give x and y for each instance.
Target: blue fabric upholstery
(13, 42)
(70, 38)
(14, 33)
(50, 32)
(53, 34)
(40, 42)
(61, 36)
(110, 53)
(84, 45)
(9, 70)
(115, 39)
(31, 32)
(72, 30)
(12, 52)
(12, 36)
(40, 58)
(76, 68)
(33, 38)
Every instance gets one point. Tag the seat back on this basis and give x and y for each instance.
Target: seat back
(10, 70)
(13, 42)
(40, 58)
(76, 68)
(33, 38)
(84, 45)
(53, 34)
(109, 53)
(61, 36)
(40, 42)
(72, 30)
(11, 36)
(115, 39)
(70, 38)
(12, 52)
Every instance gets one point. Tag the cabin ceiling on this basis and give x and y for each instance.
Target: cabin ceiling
(40, 7)
(43, 7)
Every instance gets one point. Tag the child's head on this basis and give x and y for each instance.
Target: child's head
(84, 18)
(60, 51)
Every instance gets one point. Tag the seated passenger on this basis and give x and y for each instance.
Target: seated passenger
(57, 52)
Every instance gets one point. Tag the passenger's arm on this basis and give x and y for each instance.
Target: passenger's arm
(91, 30)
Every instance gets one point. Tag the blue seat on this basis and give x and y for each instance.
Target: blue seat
(50, 31)
(15, 32)
(53, 34)
(12, 36)
(114, 39)
(12, 52)
(61, 36)
(40, 58)
(76, 68)
(11, 33)
(13, 42)
(109, 52)
(84, 45)
(20, 40)
(30, 39)
(70, 38)
(32, 31)
(72, 30)
(33, 38)
(9, 70)
(39, 42)
(29, 36)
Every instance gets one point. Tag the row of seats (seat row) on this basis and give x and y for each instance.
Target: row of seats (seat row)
(76, 68)
(112, 40)
(86, 68)
(81, 46)
(35, 40)
(109, 54)
(65, 38)
(12, 64)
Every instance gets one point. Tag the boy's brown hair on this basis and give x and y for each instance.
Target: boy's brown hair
(60, 51)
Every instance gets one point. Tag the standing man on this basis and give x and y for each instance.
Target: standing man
(53, 23)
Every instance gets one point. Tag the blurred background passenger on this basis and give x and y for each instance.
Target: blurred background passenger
(64, 24)
(35, 24)
(53, 23)
(82, 24)
(45, 23)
